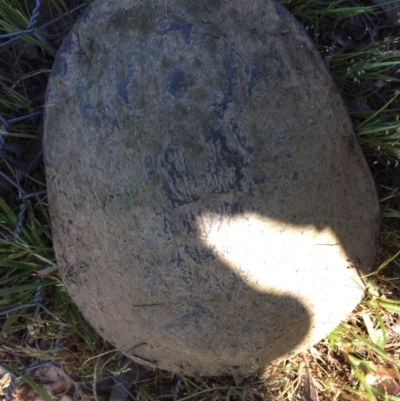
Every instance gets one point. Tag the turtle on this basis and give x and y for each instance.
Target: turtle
(212, 211)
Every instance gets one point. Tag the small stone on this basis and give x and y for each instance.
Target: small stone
(200, 222)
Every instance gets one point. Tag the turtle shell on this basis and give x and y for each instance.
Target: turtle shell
(211, 209)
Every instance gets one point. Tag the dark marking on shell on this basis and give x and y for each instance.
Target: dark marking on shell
(123, 86)
(74, 273)
(240, 136)
(225, 156)
(230, 70)
(199, 255)
(149, 163)
(178, 183)
(177, 82)
(254, 74)
(99, 117)
(177, 261)
(183, 28)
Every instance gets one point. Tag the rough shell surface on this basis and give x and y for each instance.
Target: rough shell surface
(211, 208)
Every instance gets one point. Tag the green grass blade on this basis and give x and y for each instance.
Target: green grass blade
(25, 287)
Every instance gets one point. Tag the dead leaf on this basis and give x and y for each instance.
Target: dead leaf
(24, 393)
(310, 392)
(51, 379)
(4, 383)
(384, 380)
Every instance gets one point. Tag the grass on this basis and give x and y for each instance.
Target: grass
(359, 360)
